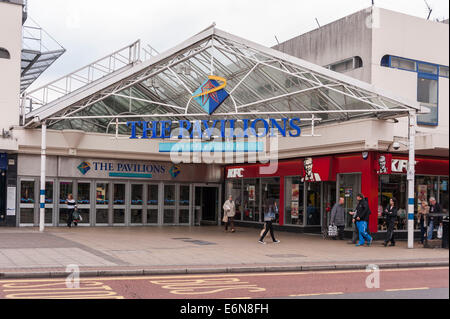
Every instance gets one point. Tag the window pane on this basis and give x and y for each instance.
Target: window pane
(403, 64)
(84, 216)
(184, 195)
(427, 68)
(136, 194)
(443, 71)
(152, 216)
(27, 216)
(101, 216)
(49, 192)
(169, 195)
(313, 204)
(427, 91)
(119, 194)
(152, 196)
(84, 191)
(119, 216)
(102, 194)
(443, 193)
(65, 188)
(184, 216)
(27, 192)
(169, 216)
(136, 216)
(270, 189)
(251, 199)
(293, 207)
(392, 186)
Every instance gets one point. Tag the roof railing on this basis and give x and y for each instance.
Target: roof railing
(73, 81)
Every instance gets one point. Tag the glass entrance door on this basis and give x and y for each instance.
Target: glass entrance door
(119, 204)
(65, 188)
(27, 202)
(137, 204)
(84, 202)
(169, 204)
(313, 203)
(102, 196)
(207, 207)
(49, 202)
(329, 199)
(152, 204)
(349, 187)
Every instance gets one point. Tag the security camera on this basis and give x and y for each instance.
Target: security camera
(396, 145)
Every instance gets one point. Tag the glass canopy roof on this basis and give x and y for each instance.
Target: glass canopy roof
(261, 82)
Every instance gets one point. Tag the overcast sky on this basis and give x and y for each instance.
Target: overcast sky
(90, 29)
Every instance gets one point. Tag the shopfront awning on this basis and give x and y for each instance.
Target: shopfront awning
(261, 83)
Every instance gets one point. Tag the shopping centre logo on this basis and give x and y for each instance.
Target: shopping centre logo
(211, 94)
(174, 171)
(84, 167)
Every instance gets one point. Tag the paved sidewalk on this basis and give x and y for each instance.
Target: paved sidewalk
(24, 252)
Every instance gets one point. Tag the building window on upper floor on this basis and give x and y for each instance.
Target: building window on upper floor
(346, 65)
(443, 71)
(427, 95)
(403, 64)
(427, 68)
(4, 54)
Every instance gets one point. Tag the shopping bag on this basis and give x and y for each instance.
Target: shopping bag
(439, 232)
(332, 230)
(225, 218)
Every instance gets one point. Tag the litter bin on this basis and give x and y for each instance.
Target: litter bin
(445, 232)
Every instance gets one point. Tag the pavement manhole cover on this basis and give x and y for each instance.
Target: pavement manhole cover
(199, 242)
(285, 256)
(181, 238)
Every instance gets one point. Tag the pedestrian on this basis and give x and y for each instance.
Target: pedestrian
(229, 208)
(269, 217)
(390, 214)
(71, 204)
(361, 219)
(338, 217)
(435, 208)
(422, 217)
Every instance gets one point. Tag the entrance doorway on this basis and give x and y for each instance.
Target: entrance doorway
(206, 204)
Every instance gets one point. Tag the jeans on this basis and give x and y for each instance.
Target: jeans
(230, 222)
(70, 217)
(423, 231)
(363, 235)
(390, 233)
(430, 230)
(340, 232)
(268, 228)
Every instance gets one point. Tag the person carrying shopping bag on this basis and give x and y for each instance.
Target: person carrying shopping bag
(390, 214)
(229, 211)
(269, 217)
(71, 204)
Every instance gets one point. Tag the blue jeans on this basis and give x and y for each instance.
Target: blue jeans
(430, 230)
(363, 235)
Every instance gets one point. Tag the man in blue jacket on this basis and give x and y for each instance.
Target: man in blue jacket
(361, 218)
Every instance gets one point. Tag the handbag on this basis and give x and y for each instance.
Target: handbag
(439, 232)
(332, 231)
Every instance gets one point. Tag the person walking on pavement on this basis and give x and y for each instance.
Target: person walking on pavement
(269, 217)
(338, 217)
(70, 202)
(229, 208)
(422, 217)
(390, 214)
(435, 208)
(361, 218)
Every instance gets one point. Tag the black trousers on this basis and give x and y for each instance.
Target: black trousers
(390, 233)
(341, 232)
(269, 227)
(70, 217)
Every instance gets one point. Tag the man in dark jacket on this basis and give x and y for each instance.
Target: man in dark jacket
(361, 218)
(338, 217)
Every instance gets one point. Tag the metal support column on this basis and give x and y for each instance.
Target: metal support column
(410, 176)
(42, 188)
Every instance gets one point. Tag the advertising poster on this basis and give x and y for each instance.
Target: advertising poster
(251, 193)
(295, 192)
(294, 210)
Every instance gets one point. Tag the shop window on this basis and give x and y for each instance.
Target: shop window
(4, 54)
(270, 190)
(293, 207)
(393, 186)
(349, 188)
(235, 189)
(251, 200)
(443, 194)
(313, 200)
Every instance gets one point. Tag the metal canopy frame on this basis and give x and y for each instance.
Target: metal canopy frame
(262, 82)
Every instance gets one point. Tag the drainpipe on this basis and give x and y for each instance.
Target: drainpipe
(42, 188)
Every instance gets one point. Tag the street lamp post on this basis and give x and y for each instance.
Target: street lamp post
(410, 176)
(42, 188)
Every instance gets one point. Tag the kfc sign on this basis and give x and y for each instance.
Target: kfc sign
(235, 172)
(388, 165)
(400, 166)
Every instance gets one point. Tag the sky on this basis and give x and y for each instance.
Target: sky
(91, 29)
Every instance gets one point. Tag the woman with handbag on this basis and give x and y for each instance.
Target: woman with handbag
(229, 211)
(269, 217)
(422, 217)
(71, 204)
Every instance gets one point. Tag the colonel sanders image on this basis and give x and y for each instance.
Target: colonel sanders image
(382, 164)
(309, 175)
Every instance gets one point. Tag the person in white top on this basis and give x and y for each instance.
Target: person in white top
(71, 204)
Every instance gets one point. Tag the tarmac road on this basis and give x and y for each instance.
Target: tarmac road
(408, 283)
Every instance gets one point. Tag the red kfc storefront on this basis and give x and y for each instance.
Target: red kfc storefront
(307, 188)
